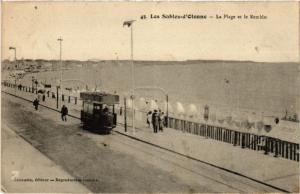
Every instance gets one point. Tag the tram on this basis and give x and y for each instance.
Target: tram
(98, 111)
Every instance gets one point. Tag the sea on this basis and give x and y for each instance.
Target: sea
(227, 86)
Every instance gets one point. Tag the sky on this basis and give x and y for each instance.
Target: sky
(94, 30)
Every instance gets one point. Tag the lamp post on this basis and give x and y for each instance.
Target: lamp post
(130, 24)
(61, 71)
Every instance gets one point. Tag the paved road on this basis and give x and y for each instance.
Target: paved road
(31, 164)
(119, 164)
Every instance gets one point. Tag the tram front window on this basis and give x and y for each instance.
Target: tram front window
(97, 108)
(87, 108)
(108, 109)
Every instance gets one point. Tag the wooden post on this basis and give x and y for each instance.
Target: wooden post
(125, 116)
(57, 97)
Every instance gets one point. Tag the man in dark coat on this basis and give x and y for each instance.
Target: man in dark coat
(36, 104)
(64, 113)
(154, 123)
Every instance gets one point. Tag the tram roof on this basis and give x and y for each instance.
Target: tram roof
(100, 97)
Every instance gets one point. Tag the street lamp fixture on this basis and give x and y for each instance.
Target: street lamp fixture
(130, 24)
(61, 71)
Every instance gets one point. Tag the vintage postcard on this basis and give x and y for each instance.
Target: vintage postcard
(150, 97)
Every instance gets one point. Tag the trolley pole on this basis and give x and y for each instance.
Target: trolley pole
(125, 116)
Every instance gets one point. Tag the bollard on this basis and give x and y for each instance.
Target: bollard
(75, 100)
(63, 97)
(69, 100)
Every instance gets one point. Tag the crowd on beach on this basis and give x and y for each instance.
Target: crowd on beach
(156, 120)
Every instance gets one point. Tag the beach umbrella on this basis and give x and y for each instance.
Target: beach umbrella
(153, 105)
(213, 117)
(179, 108)
(142, 103)
(192, 110)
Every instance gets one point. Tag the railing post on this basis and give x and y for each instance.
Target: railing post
(266, 145)
(243, 140)
(235, 134)
(276, 148)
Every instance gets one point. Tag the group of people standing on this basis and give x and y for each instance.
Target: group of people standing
(156, 119)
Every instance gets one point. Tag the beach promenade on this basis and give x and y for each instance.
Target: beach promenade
(278, 173)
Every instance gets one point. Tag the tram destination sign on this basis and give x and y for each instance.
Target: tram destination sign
(102, 98)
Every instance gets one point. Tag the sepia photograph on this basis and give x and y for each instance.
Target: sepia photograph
(150, 96)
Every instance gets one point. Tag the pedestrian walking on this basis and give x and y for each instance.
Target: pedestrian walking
(153, 120)
(149, 118)
(161, 121)
(157, 122)
(36, 104)
(64, 113)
